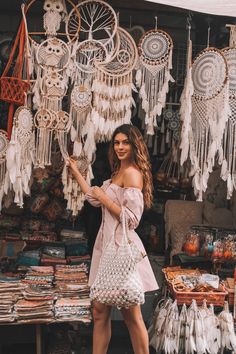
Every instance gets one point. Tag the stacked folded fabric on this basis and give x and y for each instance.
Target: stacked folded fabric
(40, 277)
(53, 253)
(34, 311)
(67, 309)
(10, 291)
(71, 274)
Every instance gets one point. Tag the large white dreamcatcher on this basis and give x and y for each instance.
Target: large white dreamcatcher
(153, 76)
(228, 170)
(112, 88)
(3, 150)
(20, 154)
(210, 111)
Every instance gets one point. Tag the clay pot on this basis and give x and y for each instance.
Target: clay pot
(173, 181)
(160, 176)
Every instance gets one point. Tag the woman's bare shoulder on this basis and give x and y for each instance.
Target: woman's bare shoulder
(133, 178)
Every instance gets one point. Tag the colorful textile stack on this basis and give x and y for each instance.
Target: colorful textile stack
(40, 277)
(10, 291)
(53, 253)
(34, 311)
(67, 309)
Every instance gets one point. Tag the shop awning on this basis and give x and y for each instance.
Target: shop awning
(214, 7)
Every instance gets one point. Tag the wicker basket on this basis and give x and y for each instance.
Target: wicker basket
(215, 298)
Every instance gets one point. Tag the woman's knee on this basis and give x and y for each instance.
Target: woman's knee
(101, 312)
(132, 317)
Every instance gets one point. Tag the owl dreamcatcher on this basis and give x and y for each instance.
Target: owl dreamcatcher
(55, 12)
(210, 111)
(20, 154)
(228, 170)
(4, 142)
(112, 89)
(153, 76)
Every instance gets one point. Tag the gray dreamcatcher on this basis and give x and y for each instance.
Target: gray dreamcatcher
(153, 76)
(228, 170)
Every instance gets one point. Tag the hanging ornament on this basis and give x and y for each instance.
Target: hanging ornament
(112, 89)
(53, 16)
(53, 52)
(20, 154)
(3, 150)
(210, 111)
(228, 170)
(153, 76)
(53, 89)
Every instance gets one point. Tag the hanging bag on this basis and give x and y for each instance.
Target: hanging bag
(117, 282)
(13, 88)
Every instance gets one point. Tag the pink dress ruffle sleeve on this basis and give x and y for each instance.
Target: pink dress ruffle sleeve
(131, 202)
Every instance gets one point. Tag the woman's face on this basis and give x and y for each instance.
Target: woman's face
(122, 147)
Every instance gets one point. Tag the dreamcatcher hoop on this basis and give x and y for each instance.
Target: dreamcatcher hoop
(81, 98)
(23, 121)
(71, 36)
(154, 47)
(125, 59)
(209, 73)
(53, 52)
(93, 12)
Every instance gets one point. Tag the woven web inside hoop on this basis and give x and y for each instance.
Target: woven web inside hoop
(209, 74)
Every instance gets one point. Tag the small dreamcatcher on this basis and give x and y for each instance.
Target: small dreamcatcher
(72, 191)
(210, 111)
(20, 154)
(55, 11)
(112, 88)
(153, 76)
(228, 170)
(53, 89)
(53, 52)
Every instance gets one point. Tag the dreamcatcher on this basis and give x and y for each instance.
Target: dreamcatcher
(153, 76)
(228, 170)
(20, 154)
(55, 11)
(112, 89)
(210, 111)
(72, 192)
(3, 150)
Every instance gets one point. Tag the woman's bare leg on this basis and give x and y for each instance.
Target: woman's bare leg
(101, 327)
(137, 329)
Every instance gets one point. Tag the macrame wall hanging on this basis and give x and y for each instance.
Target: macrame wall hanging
(228, 170)
(210, 111)
(20, 154)
(55, 11)
(153, 76)
(3, 150)
(112, 89)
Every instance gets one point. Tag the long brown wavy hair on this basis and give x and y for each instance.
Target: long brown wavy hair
(140, 158)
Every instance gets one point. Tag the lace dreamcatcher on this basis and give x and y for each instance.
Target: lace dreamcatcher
(112, 89)
(3, 150)
(72, 192)
(210, 111)
(153, 76)
(20, 154)
(228, 170)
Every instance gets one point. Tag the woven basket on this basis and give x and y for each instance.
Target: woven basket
(13, 90)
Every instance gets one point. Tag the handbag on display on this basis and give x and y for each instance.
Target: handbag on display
(117, 282)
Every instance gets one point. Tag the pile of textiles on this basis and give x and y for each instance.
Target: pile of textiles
(28, 258)
(27, 311)
(40, 277)
(10, 291)
(67, 309)
(53, 253)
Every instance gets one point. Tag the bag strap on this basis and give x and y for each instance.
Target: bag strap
(125, 227)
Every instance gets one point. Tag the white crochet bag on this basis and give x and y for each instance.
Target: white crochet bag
(117, 282)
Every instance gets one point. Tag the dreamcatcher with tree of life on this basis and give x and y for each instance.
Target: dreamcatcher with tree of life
(228, 169)
(112, 88)
(210, 111)
(153, 75)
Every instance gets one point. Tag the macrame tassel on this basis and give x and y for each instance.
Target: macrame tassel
(44, 137)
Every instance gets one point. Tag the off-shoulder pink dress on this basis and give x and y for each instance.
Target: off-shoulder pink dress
(131, 202)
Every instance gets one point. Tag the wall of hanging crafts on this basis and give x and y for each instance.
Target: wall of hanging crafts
(228, 170)
(205, 119)
(153, 75)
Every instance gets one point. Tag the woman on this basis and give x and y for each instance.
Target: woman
(128, 191)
